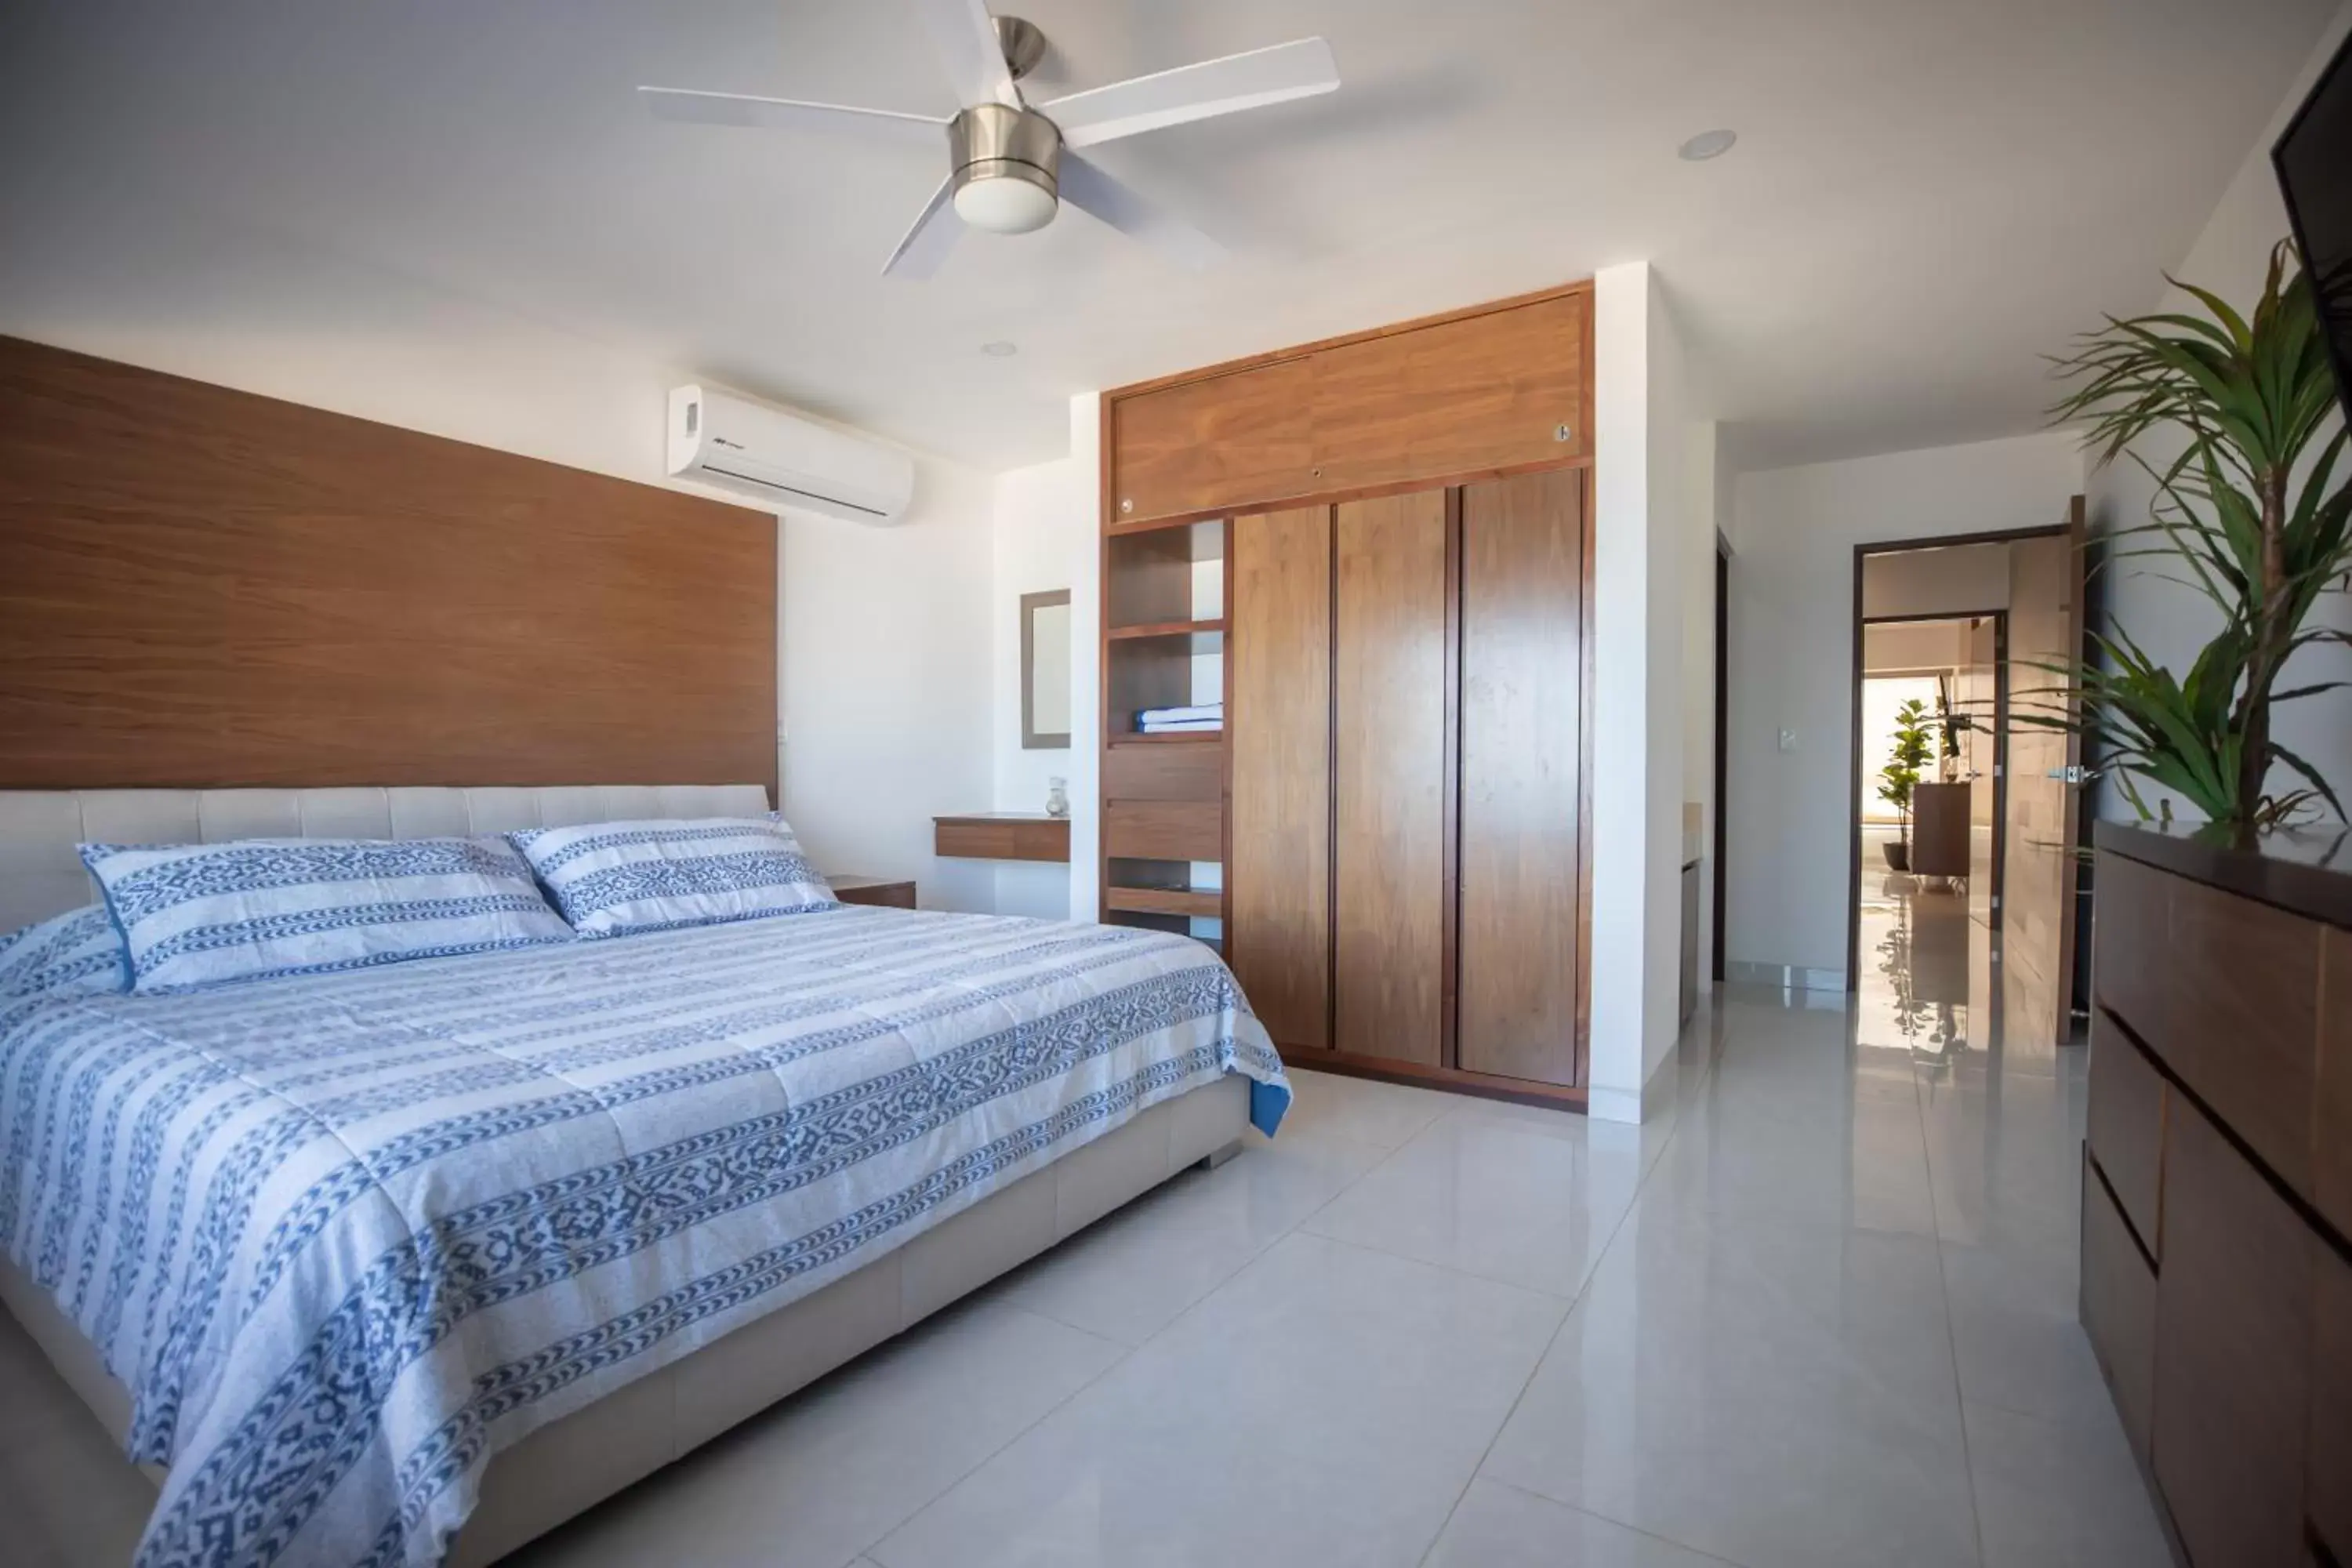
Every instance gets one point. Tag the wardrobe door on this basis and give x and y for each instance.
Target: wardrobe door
(1522, 723)
(1278, 885)
(1390, 679)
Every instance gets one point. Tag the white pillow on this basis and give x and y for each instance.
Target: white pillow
(613, 877)
(198, 914)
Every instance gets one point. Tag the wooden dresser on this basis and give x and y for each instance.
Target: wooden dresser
(2216, 1185)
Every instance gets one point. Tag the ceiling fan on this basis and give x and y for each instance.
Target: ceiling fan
(1012, 165)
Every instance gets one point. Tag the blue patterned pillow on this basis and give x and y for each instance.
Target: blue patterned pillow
(79, 953)
(613, 877)
(198, 914)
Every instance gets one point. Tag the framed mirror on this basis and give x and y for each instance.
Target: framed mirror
(1045, 671)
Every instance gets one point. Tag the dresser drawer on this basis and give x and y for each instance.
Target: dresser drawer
(2118, 1309)
(2331, 1175)
(2127, 938)
(2126, 1124)
(2224, 992)
(1188, 772)
(1165, 830)
(2327, 1492)
(2230, 1433)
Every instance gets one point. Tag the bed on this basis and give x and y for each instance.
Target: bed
(412, 1263)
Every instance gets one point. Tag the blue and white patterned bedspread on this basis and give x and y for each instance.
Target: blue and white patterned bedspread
(345, 1236)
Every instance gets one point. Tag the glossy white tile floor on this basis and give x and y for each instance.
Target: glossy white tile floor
(1820, 1314)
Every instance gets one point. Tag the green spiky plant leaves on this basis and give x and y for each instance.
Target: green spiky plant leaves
(2250, 398)
(1900, 776)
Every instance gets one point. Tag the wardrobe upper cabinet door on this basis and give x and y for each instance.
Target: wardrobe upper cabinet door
(1225, 441)
(1278, 885)
(1522, 744)
(1389, 680)
(1461, 398)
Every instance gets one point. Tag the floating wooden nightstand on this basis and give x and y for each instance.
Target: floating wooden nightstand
(1001, 835)
(884, 891)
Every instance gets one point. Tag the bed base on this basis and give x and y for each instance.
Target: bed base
(569, 1466)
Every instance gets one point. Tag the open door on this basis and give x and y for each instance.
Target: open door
(2045, 607)
(1980, 699)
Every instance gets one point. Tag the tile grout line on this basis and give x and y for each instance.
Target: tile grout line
(1620, 1524)
(1951, 1331)
(865, 1553)
(1600, 1260)
(1126, 1353)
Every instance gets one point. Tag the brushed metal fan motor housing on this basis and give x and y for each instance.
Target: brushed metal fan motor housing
(1011, 166)
(994, 142)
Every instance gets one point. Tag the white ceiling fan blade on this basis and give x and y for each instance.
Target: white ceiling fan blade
(928, 243)
(1275, 75)
(966, 38)
(687, 106)
(1087, 188)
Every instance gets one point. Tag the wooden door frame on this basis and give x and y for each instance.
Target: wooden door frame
(1722, 743)
(1862, 552)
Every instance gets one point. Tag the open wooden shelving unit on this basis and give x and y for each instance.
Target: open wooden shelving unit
(1164, 797)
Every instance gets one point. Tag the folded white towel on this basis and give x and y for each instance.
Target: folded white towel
(1181, 715)
(1181, 726)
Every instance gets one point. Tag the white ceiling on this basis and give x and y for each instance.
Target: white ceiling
(1927, 193)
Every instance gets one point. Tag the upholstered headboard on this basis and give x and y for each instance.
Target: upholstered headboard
(40, 874)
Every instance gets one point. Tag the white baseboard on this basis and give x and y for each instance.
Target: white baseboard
(1784, 977)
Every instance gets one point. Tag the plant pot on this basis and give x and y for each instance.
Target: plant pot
(1898, 855)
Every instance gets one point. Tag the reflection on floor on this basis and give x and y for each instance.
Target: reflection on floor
(1819, 1314)
(1920, 954)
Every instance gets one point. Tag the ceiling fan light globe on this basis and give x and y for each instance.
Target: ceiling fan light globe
(1006, 204)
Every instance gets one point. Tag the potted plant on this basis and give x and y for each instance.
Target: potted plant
(2250, 397)
(1900, 776)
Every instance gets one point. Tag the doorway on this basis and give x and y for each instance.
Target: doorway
(1961, 901)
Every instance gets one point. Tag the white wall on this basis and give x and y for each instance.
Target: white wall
(1792, 663)
(883, 645)
(1639, 434)
(1909, 646)
(1048, 537)
(886, 685)
(2171, 623)
(1963, 580)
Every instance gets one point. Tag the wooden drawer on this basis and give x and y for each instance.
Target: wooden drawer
(1223, 441)
(1471, 395)
(1165, 830)
(2328, 1496)
(2128, 957)
(2118, 1309)
(2240, 1024)
(2234, 1339)
(1186, 771)
(1000, 838)
(2331, 1173)
(2126, 1125)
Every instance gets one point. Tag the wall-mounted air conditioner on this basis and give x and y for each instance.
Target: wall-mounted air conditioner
(784, 459)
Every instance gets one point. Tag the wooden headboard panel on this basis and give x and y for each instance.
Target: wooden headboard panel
(202, 587)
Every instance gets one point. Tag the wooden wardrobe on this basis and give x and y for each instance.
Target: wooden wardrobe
(1393, 534)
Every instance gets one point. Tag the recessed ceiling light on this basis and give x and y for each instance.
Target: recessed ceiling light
(1000, 348)
(1707, 145)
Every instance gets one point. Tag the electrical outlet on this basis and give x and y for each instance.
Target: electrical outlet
(1788, 740)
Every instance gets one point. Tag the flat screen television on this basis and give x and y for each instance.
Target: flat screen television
(2314, 162)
